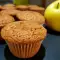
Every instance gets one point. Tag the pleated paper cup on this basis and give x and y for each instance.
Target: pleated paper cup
(24, 50)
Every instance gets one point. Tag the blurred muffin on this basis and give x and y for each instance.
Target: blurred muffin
(10, 12)
(36, 8)
(23, 38)
(8, 6)
(5, 19)
(22, 7)
(31, 16)
(0, 7)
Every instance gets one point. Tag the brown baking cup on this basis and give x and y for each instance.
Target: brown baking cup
(24, 50)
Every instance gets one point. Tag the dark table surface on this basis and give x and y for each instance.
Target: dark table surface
(50, 49)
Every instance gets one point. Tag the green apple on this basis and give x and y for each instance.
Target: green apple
(52, 15)
(20, 2)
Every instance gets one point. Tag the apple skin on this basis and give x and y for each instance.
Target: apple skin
(20, 2)
(52, 15)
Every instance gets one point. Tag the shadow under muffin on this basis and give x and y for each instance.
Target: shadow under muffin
(51, 31)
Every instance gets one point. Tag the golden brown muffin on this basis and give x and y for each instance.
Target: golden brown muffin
(22, 7)
(10, 12)
(37, 9)
(5, 19)
(31, 16)
(8, 6)
(23, 38)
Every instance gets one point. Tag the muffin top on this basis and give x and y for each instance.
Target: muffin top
(35, 7)
(10, 12)
(0, 7)
(23, 32)
(5, 19)
(31, 16)
(22, 7)
(8, 6)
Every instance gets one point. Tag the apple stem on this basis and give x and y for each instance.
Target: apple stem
(58, 5)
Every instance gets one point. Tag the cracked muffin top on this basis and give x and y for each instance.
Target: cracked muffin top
(23, 32)
(31, 16)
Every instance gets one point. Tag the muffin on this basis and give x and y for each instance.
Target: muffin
(22, 7)
(5, 19)
(10, 12)
(8, 6)
(37, 9)
(31, 16)
(23, 38)
(0, 7)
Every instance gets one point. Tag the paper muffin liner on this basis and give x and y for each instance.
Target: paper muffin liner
(24, 50)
